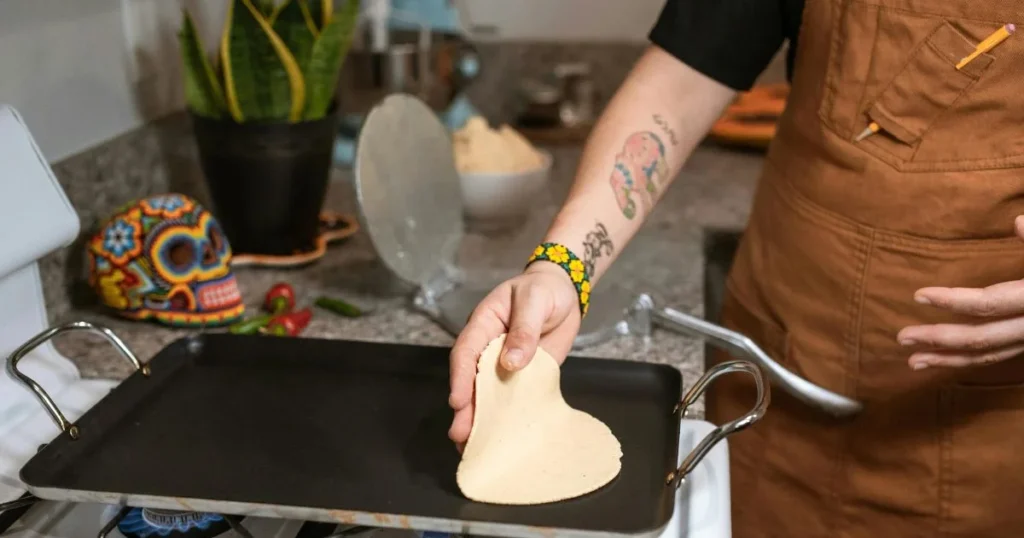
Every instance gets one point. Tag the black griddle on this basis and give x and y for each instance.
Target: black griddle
(331, 429)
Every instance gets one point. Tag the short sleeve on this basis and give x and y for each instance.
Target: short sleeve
(731, 41)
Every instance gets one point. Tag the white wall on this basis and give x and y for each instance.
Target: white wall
(83, 71)
(563, 20)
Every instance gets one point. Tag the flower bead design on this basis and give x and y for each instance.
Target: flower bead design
(576, 269)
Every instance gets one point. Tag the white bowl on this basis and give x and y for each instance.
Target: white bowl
(494, 201)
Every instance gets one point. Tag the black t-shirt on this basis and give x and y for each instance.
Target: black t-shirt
(731, 41)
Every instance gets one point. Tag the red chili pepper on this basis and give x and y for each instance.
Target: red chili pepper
(280, 298)
(290, 323)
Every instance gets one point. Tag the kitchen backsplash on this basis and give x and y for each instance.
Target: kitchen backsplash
(505, 65)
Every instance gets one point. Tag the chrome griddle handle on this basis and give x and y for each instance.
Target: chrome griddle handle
(37, 340)
(830, 402)
(676, 477)
(27, 500)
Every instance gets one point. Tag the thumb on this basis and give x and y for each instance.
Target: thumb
(529, 310)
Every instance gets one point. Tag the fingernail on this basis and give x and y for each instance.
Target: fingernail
(919, 365)
(513, 358)
(907, 341)
(922, 300)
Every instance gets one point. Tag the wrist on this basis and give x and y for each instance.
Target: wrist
(548, 267)
(551, 256)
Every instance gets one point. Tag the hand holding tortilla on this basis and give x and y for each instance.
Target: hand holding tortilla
(527, 446)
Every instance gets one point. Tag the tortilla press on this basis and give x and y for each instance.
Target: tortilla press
(410, 204)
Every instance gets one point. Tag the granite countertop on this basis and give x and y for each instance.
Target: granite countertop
(665, 260)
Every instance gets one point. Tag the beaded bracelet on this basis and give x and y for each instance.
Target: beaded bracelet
(564, 258)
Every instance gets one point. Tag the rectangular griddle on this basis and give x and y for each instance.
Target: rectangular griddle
(344, 431)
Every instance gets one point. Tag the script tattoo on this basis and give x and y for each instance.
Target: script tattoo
(640, 169)
(668, 130)
(596, 244)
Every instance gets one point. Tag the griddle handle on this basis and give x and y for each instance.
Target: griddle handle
(830, 402)
(675, 478)
(51, 407)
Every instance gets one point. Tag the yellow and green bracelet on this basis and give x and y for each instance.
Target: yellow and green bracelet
(563, 257)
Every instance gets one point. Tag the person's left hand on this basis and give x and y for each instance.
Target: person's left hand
(998, 336)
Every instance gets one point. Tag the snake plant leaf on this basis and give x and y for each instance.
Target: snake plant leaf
(307, 17)
(202, 89)
(266, 7)
(323, 10)
(294, 24)
(261, 78)
(329, 53)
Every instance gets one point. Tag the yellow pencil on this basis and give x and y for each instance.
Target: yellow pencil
(871, 129)
(988, 44)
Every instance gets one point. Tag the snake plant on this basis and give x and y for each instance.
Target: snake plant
(275, 62)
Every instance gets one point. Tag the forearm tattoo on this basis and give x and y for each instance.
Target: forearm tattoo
(640, 170)
(668, 130)
(596, 244)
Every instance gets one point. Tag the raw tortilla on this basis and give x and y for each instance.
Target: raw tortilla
(527, 446)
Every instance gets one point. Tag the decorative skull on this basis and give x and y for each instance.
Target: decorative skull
(165, 258)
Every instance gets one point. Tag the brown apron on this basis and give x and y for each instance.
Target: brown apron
(841, 235)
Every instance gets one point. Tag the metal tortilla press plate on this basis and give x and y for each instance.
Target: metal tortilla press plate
(410, 203)
(408, 189)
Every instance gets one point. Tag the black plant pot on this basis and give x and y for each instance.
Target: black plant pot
(267, 181)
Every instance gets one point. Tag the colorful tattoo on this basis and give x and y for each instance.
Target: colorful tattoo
(639, 170)
(668, 130)
(596, 244)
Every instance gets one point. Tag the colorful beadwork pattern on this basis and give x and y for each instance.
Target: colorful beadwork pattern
(165, 258)
(564, 258)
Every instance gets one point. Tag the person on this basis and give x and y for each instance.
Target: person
(885, 267)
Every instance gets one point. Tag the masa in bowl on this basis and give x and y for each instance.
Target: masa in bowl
(494, 201)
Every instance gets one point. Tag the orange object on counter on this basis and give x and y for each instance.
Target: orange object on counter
(751, 120)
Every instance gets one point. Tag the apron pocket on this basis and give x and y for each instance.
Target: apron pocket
(784, 467)
(731, 396)
(894, 63)
(743, 318)
(927, 86)
(982, 472)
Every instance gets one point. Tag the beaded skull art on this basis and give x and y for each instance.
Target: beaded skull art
(165, 258)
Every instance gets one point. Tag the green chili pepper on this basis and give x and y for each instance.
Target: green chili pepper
(338, 307)
(251, 325)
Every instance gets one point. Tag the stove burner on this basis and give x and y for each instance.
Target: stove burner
(150, 522)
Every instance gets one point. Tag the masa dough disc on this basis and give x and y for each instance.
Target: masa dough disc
(527, 446)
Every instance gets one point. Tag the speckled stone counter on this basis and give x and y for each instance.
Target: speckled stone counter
(664, 260)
